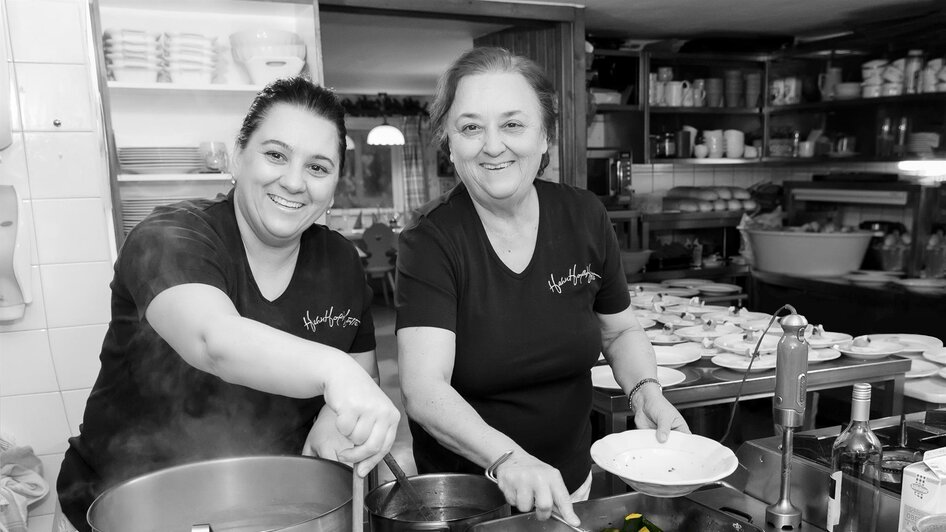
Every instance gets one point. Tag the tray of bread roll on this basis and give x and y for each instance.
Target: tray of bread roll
(709, 199)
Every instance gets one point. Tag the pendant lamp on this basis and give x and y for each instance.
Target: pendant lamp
(385, 134)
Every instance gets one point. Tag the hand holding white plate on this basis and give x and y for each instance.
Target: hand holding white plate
(674, 468)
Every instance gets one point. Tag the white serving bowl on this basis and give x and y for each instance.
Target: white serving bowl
(263, 70)
(246, 44)
(808, 254)
(675, 468)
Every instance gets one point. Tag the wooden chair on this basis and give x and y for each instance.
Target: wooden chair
(379, 264)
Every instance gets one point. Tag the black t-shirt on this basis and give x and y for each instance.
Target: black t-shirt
(525, 342)
(149, 409)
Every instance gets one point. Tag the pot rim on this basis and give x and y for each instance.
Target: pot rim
(372, 513)
(214, 461)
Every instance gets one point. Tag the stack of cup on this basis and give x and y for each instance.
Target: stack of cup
(714, 92)
(873, 76)
(733, 88)
(933, 78)
(735, 142)
(714, 142)
(753, 89)
(893, 78)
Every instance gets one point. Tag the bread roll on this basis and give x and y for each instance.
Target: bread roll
(740, 193)
(750, 205)
(688, 205)
(734, 205)
(723, 192)
(681, 192)
(720, 205)
(705, 194)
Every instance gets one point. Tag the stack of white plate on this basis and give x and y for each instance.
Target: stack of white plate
(922, 143)
(160, 160)
(136, 209)
(191, 58)
(132, 55)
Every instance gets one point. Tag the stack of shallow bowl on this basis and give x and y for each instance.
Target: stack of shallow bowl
(133, 56)
(268, 54)
(191, 57)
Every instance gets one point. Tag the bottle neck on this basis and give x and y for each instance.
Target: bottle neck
(860, 410)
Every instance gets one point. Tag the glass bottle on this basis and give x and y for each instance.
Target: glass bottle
(854, 491)
(911, 71)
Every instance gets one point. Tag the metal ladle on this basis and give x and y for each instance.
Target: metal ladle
(413, 497)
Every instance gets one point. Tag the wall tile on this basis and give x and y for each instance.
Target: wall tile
(13, 167)
(723, 176)
(71, 230)
(26, 365)
(65, 165)
(51, 466)
(37, 420)
(77, 294)
(35, 316)
(643, 183)
(47, 31)
(75, 353)
(74, 401)
(683, 176)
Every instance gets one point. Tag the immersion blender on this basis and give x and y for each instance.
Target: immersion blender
(788, 411)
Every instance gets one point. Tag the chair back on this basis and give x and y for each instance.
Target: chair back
(379, 241)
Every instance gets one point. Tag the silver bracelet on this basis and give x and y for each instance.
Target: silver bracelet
(491, 470)
(637, 387)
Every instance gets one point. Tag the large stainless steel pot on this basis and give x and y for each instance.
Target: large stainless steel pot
(243, 494)
(458, 501)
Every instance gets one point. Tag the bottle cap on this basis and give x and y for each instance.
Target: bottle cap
(793, 320)
(861, 391)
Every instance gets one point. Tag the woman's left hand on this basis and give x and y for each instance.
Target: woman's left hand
(654, 411)
(324, 440)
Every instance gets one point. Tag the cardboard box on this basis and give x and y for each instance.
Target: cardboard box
(924, 489)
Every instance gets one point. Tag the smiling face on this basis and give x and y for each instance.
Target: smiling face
(496, 136)
(286, 175)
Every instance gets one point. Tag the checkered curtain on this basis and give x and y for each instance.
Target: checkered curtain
(416, 141)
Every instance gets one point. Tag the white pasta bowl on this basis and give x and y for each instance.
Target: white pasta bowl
(675, 468)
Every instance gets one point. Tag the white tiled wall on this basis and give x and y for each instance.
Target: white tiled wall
(49, 358)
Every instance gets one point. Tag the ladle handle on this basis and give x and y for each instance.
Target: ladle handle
(408, 488)
(357, 501)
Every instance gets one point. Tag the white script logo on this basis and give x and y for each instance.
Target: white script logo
(574, 277)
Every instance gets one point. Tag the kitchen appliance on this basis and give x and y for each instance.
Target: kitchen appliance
(788, 411)
(240, 494)
(811, 464)
(458, 502)
(609, 176)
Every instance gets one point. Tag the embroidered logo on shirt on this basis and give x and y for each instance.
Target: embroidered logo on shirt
(574, 278)
(330, 319)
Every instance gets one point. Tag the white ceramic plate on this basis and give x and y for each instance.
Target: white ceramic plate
(876, 349)
(647, 301)
(889, 273)
(718, 289)
(660, 337)
(827, 339)
(914, 343)
(736, 343)
(696, 310)
(741, 362)
(673, 356)
(646, 314)
(674, 468)
(942, 373)
(739, 316)
(603, 377)
(822, 355)
(677, 320)
(922, 368)
(645, 287)
(923, 286)
(865, 279)
(936, 355)
(646, 323)
(696, 333)
(685, 283)
(760, 325)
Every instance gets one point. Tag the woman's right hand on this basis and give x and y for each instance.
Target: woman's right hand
(529, 483)
(366, 416)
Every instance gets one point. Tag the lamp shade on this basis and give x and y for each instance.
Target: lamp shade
(385, 135)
